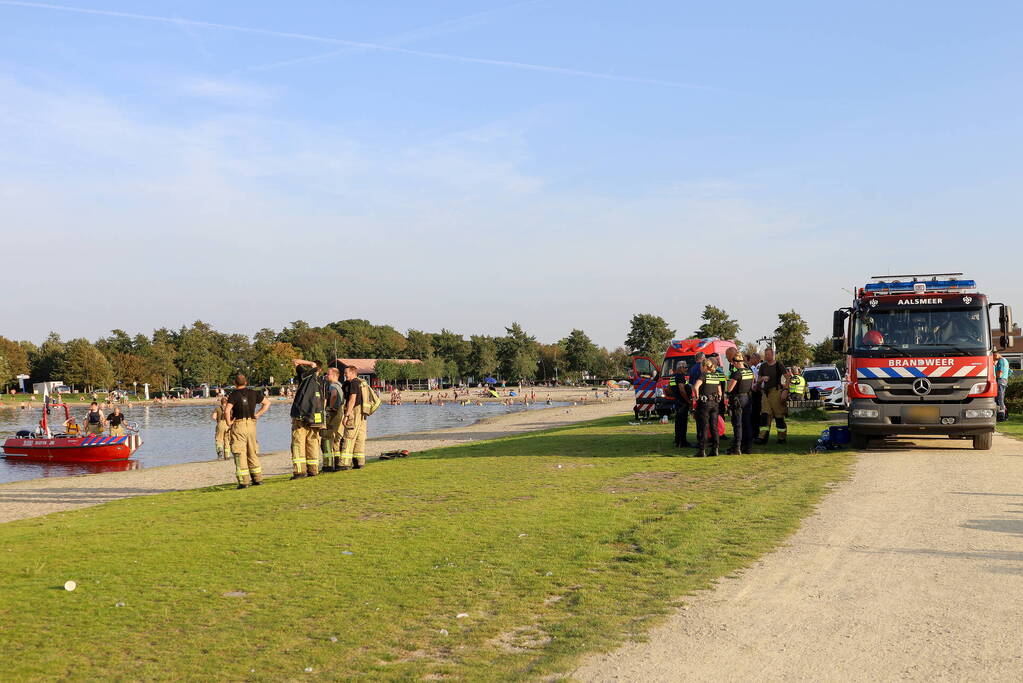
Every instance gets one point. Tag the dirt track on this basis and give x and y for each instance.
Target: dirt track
(913, 570)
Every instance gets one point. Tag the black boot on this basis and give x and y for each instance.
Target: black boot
(298, 476)
(700, 453)
(734, 450)
(713, 452)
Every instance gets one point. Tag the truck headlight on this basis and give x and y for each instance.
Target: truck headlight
(658, 393)
(974, 414)
(865, 389)
(867, 412)
(979, 388)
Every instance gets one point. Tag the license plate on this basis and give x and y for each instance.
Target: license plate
(921, 415)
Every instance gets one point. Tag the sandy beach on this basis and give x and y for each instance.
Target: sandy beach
(36, 497)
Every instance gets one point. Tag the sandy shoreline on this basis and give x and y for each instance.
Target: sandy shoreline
(36, 497)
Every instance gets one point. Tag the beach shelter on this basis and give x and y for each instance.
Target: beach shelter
(490, 380)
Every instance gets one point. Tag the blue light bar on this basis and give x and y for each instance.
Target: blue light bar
(909, 287)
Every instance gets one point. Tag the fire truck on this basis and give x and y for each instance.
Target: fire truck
(650, 379)
(920, 358)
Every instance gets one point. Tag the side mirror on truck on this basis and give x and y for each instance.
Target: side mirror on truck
(838, 329)
(1005, 325)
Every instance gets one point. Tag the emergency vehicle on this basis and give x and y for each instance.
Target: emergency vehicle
(920, 358)
(650, 379)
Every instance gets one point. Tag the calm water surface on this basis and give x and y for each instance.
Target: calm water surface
(184, 433)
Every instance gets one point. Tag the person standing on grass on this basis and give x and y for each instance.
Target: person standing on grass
(353, 452)
(773, 382)
(678, 385)
(242, 414)
(1002, 374)
(221, 437)
(708, 393)
(740, 383)
(306, 420)
(331, 440)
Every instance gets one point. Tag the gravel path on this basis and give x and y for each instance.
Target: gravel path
(911, 570)
(24, 499)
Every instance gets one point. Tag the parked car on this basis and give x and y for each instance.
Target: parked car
(821, 381)
(836, 398)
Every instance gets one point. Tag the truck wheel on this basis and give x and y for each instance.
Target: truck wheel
(858, 441)
(982, 442)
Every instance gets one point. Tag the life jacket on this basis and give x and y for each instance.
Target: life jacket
(93, 417)
(370, 399)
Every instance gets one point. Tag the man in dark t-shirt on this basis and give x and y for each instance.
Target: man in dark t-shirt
(244, 407)
(774, 377)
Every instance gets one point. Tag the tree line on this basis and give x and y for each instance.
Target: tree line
(199, 354)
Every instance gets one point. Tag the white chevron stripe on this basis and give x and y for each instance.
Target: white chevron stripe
(939, 371)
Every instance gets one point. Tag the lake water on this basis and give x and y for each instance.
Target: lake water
(175, 434)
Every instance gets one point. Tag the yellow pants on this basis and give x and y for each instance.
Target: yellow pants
(117, 431)
(355, 440)
(772, 407)
(94, 428)
(246, 451)
(222, 440)
(305, 448)
(330, 441)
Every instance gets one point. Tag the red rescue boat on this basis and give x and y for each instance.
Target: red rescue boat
(46, 446)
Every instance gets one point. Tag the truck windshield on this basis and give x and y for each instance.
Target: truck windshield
(671, 363)
(903, 331)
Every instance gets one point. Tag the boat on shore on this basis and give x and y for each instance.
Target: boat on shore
(43, 445)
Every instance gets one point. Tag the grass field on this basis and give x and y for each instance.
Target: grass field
(1012, 427)
(504, 559)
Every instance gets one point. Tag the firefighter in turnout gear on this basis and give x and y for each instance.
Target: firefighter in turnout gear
(330, 442)
(241, 420)
(307, 420)
(353, 449)
(773, 381)
(679, 387)
(797, 385)
(708, 393)
(740, 384)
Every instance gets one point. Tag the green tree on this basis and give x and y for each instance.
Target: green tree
(648, 335)
(516, 354)
(200, 356)
(388, 371)
(621, 363)
(824, 353)
(6, 373)
(161, 370)
(273, 361)
(453, 349)
(716, 323)
(790, 338)
(419, 345)
(481, 360)
(551, 363)
(83, 365)
(387, 342)
(580, 352)
(128, 368)
(45, 361)
(15, 357)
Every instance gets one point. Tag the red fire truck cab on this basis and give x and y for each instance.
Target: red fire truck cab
(920, 358)
(650, 379)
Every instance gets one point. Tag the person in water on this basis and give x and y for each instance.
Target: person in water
(116, 422)
(94, 419)
(221, 437)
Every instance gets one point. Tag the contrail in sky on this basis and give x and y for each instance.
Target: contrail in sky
(357, 44)
(396, 40)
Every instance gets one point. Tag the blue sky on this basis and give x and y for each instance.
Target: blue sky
(560, 163)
